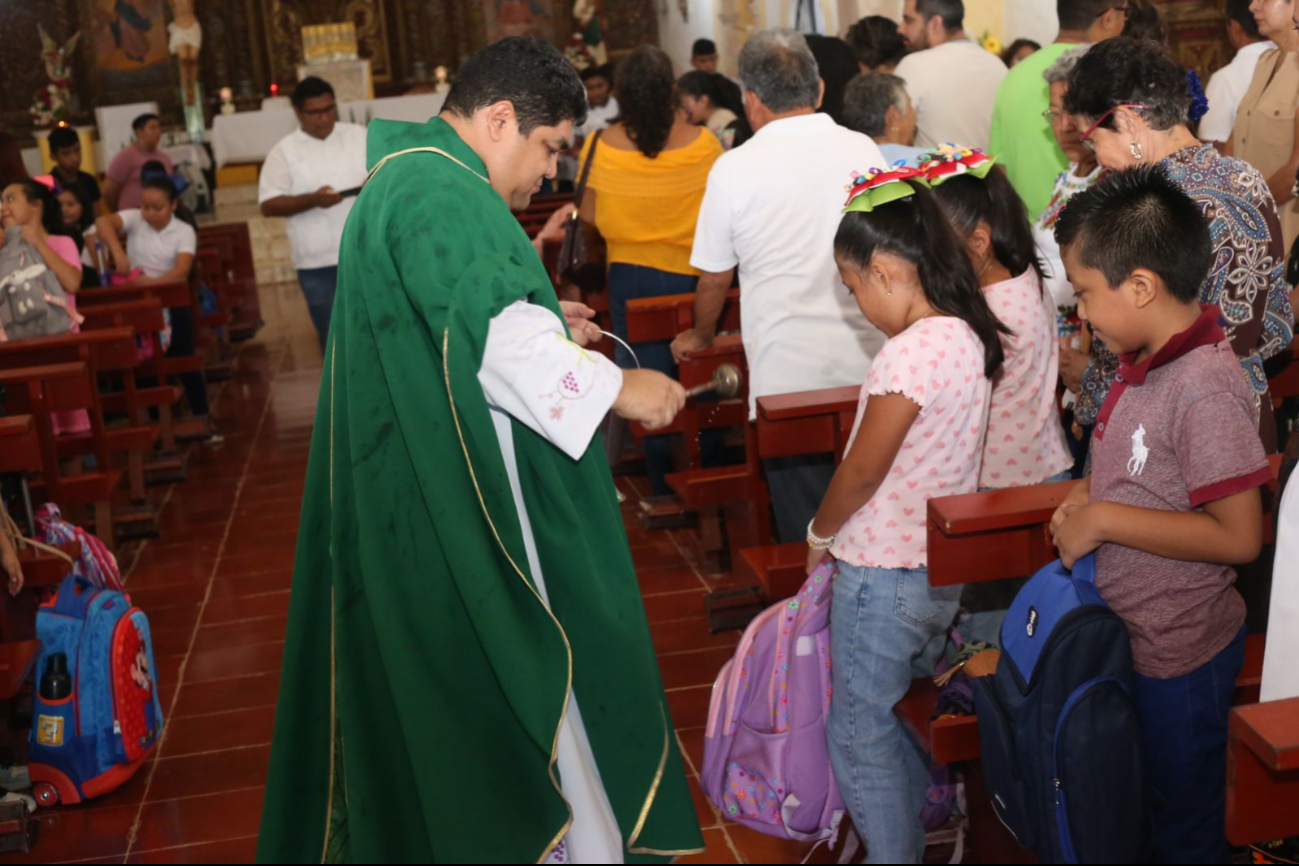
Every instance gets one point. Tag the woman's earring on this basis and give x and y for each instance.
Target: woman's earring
(1135, 149)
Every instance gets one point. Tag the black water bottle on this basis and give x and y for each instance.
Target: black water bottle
(56, 684)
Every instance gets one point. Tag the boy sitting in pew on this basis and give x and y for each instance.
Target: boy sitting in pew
(1173, 501)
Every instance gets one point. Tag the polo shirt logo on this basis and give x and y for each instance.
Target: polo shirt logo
(1139, 451)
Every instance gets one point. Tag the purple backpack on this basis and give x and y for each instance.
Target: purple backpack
(766, 760)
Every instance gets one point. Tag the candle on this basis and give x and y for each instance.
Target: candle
(441, 72)
(275, 89)
(227, 94)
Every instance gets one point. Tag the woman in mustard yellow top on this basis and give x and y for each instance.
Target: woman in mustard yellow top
(646, 184)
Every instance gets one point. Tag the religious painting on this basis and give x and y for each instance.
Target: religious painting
(128, 41)
(519, 18)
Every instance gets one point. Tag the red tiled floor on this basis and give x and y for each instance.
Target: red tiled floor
(694, 668)
(236, 693)
(233, 661)
(234, 851)
(716, 850)
(209, 773)
(188, 735)
(689, 706)
(247, 632)
(270, 603)
(214, 818)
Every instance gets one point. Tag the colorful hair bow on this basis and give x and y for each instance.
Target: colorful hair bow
(47, 181)
(879, 186)
(951, 160)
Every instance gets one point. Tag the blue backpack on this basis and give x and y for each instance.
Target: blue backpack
(93, 740)
(1060, 739)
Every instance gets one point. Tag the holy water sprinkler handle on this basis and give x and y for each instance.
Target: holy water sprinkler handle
(726, 382)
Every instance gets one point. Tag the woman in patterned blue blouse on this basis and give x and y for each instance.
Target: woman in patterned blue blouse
(1132, 100)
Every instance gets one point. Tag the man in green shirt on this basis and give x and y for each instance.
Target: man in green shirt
(468, 673)
(1021, 136)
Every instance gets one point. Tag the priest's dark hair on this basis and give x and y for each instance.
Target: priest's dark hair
(915, 229)
(309, 88)
(143, 120)
(969, 201)
(526, 71)
(1139, 218)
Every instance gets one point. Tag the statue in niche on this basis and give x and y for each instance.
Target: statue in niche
(586, 15)
(186, 41)
(53, 102)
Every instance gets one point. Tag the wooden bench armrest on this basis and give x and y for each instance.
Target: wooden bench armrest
(1271, 731)
(809, 404)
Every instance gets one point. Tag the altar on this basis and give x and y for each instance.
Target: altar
(247, 137)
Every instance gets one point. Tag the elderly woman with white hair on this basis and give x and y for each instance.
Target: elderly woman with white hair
(1083, 171)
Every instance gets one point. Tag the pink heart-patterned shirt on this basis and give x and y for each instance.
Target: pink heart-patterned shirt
(937, 363)
(1025, 442)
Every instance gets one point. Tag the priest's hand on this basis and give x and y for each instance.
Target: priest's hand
(578, 318)
(649, 397)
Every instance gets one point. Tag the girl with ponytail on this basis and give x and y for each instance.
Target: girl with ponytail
(919, 434)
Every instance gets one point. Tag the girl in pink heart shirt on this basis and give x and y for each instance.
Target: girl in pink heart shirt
(919, 435)
(1025, 443)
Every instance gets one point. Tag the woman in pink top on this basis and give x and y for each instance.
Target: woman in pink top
(32, 205)
(1025, 443)
(919, 434)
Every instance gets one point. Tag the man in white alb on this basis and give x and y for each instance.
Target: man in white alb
(772, 208)
(1227, 86)
(312, 176)
(952, 80)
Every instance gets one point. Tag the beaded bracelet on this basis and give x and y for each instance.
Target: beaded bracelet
(814, 541)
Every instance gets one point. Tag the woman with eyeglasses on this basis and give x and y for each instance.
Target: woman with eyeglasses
(1264, 135)
(1131, 101)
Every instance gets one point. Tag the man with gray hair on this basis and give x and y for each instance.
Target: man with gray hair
(877, 104)
(772, 209)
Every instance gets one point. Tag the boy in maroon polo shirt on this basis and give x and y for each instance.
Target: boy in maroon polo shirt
(1173, 500)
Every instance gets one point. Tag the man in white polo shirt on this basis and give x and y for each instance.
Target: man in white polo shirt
(772, 208)
(1227, 86)
(952, 80)
(311, 177)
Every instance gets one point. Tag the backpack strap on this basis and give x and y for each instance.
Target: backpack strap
(9, 527)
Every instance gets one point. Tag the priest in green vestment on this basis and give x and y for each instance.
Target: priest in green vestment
(468, 674)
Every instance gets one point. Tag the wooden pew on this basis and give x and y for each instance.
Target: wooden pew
(145, 318)
(807, 422)
(734, 495)
(1263, 772)
(533, 218)
(661, 319)
(20, 445)
(17, 658)
(112, 353)
(241, 270)
(43, 390)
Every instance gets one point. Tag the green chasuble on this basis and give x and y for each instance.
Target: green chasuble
(425, 681)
